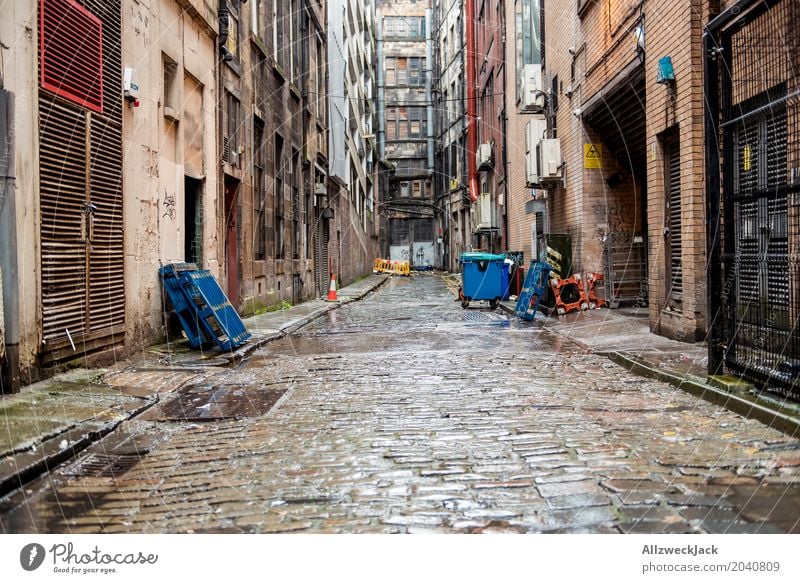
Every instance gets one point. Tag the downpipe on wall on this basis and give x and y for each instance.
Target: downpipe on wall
(9, 366)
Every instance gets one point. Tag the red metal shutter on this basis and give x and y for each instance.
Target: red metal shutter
(71, 52)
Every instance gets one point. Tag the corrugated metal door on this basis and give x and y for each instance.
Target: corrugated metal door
(322, 275)
(83, 295)
(673, 220)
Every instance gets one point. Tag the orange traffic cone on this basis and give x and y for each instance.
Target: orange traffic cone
(332, 290)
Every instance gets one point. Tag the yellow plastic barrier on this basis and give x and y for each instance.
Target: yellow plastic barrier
(392, 267)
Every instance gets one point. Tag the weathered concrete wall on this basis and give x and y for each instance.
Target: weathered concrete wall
(18, 75)
(169, 129)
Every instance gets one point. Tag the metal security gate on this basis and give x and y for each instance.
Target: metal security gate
(752, 59)
(321, 272)
(80, 137)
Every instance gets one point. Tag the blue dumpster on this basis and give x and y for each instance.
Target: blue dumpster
(484, 277)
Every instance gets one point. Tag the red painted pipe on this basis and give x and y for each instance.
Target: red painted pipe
(472, 121)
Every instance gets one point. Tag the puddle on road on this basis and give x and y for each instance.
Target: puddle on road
(212, 403)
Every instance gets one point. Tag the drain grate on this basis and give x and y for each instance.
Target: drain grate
(216, 402)
(97, 465)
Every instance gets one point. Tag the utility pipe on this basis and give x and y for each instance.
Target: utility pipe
(472, 118)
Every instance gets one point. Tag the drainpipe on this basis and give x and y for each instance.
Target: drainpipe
(10, 381)
(472, 129)
(429, 82)
(381, 88)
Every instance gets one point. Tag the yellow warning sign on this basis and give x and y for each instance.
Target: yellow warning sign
(748, 158)
(593, 156)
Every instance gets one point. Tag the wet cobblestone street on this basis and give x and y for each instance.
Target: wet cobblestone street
(405, 413)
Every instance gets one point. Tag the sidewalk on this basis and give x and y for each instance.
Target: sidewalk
(624, 336)
(51, 421)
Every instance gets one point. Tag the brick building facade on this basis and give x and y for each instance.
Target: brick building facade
(632, 197)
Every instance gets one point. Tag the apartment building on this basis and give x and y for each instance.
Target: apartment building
(406, 132)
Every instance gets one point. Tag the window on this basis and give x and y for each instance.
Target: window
(231, 142)
(416, 71)
(257, 13)
(528, 47)
(296, 181)
(391, 123)
(402, 71)
(404, 123)
(295, 46)
(391, 71)
(279, 224)
(259, 191)
(405, 71)
(170, 97)
(232, 42)
(412, 27)
(319, 72)
(279, 31)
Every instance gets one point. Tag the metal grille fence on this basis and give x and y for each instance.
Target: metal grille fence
(753, 61)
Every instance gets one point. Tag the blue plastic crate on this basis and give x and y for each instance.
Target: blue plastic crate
(202, 307)
(533, 290)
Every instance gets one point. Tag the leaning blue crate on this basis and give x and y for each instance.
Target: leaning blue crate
(204, 311)
(533, 290)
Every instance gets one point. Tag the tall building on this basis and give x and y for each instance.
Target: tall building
(187, 131)
(526, 125)
(450, 176)
(489, 211)
(352, 92)
(406, 132)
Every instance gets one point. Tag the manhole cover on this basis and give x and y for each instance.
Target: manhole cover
(210, 403)
(97, 465)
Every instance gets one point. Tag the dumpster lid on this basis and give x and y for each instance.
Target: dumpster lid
(477, 256)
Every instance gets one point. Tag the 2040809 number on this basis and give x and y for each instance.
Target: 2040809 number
(755, 566)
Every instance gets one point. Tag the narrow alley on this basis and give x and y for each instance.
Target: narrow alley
(405, 413)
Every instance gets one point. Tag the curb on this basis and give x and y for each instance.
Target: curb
(33, 463)
(751, 408)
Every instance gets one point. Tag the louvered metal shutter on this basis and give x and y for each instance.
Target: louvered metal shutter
(82, 250)
(62, 173)
(71, 52)
(675, 262)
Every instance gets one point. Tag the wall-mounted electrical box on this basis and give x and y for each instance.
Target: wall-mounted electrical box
(666, 72)
(130, 88)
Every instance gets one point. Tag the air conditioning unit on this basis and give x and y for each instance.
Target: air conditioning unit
(532, 89)
(320, 189)
(234, 159)
(548, 155)
(483, 156)
(535, 131)
(483, 212)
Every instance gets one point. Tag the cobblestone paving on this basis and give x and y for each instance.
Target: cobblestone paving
(405, 413)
